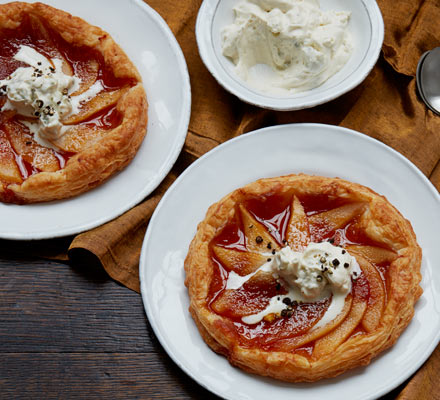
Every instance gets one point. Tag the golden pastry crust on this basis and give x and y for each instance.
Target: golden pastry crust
(379, 221)
(97, 159)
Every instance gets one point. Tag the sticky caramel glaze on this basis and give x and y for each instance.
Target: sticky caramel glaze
(266, 334)
(107, 118)
(63, 157)
(351, 234)
(27, 169)
(50, 43)
(273, 210)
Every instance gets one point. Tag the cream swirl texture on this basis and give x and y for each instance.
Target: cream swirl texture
(321, 271)
(286, 46)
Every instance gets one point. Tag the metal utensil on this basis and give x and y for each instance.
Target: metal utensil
(428, 79)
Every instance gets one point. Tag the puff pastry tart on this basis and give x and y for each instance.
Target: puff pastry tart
(302, 277)
(73, 108)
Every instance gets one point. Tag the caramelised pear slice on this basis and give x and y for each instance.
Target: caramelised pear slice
(38, 156)
(258, 238)
(298, 235)
(78, 137)
(100, 101)
(9, 171)
(313, 334)
(241, 262)
(376, 255)
(327, 344)
(42, 35)
(88, 75)
(295, 321)
(376, 301)
(251, 298)
(324, 223)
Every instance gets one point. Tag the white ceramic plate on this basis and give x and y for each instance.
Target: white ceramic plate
(149, 43)
(314, 149)
(367, 30)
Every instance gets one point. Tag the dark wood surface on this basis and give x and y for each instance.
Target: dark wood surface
(71, 332)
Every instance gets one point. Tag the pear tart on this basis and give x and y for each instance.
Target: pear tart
(83, 114)
(235, 293)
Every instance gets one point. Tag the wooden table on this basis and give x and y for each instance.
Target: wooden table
(71, 332)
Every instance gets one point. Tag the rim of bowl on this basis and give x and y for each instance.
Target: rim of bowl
(232, 84)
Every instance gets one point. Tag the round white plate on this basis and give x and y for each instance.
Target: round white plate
(366, 27)
(150, 44)
(314, 149)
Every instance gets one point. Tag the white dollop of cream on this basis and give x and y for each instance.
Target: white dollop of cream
(42, 92)
(321, 271)
(286, 46)
(321, 264)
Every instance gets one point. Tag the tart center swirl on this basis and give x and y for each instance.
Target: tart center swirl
(321, 271)
(297, 268)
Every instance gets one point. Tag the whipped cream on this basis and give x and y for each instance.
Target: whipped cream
(40, 90)
(320, 265)
(286, 46)
(321, 271)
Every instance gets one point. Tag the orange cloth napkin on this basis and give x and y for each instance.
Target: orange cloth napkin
(385, 106)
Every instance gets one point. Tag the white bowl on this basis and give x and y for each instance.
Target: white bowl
(367, 30)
